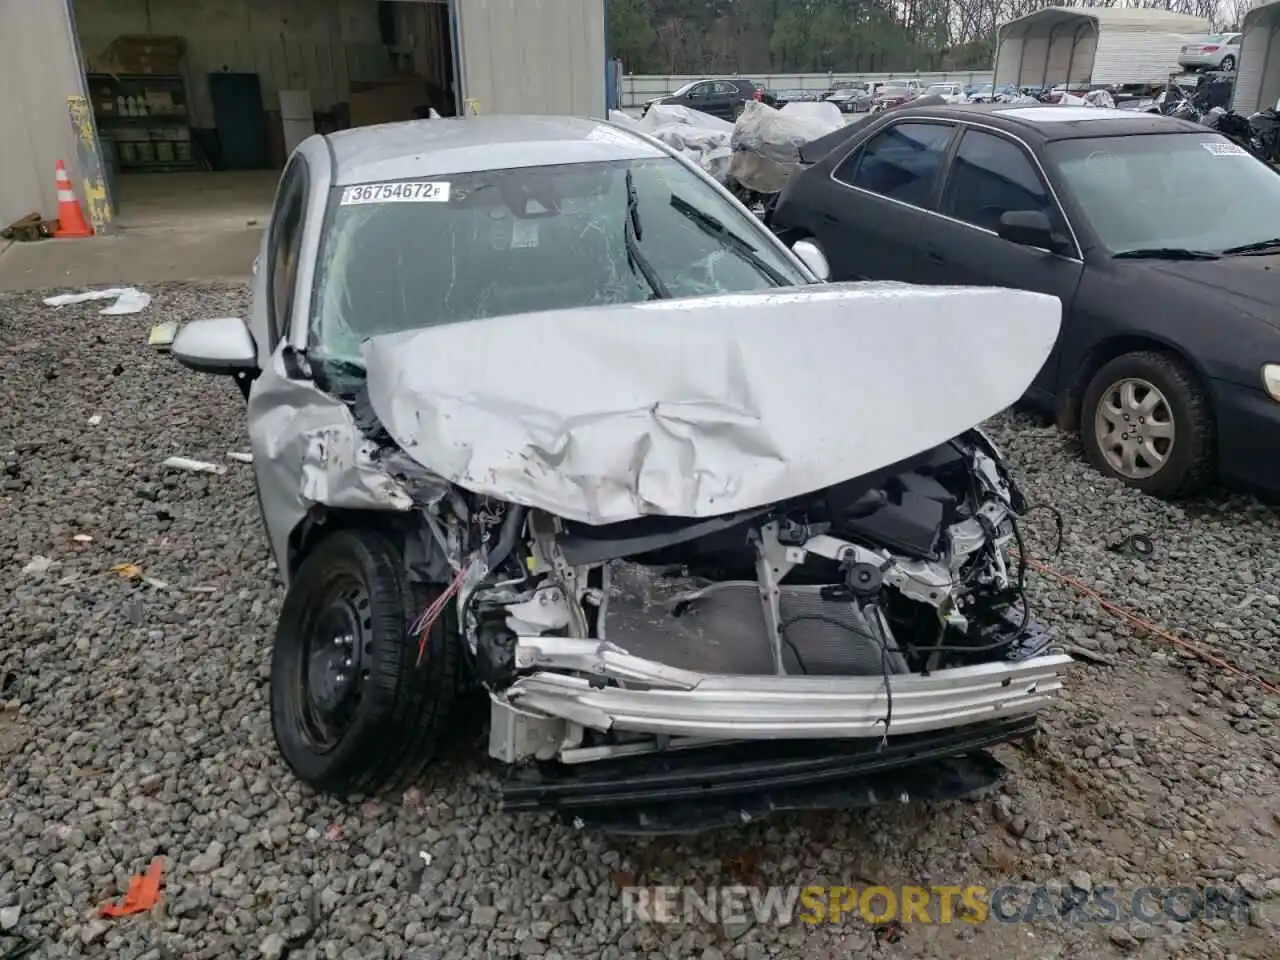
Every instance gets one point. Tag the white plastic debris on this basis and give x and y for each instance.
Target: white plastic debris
(426, 857)
(127, 300)
(820, 111)
(95, 420)
(766, 143)
(195, 466)
(82, 538)
(38, 564)
(239, 457)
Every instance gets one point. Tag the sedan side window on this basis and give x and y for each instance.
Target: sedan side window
(990, 176)
(286, 239)
(900, 163)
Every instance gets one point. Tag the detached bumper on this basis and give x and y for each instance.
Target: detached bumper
(666, 701)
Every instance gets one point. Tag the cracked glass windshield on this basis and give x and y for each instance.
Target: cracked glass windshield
(411, 254)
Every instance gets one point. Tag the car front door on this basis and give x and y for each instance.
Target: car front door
(707, 97)
(989, 175)
(869, 223)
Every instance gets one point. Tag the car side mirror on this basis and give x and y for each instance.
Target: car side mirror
(811, 256)
(1028, 228)
(222, 346)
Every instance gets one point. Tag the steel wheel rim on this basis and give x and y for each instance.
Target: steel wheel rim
(337, 641)
(1135, 429)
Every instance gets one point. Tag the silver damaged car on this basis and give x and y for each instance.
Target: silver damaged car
(542, 417)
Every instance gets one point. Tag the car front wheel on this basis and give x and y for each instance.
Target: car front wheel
(1146, 421)
(1228, 63)
(352, 710)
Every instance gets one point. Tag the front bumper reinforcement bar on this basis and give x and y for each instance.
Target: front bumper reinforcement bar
(662, 700)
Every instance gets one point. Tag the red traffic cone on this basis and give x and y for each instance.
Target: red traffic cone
(71, 222)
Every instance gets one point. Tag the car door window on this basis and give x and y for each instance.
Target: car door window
(286, 240)
(900, 163)
(701, 91)
(721, 89)
(990, 176)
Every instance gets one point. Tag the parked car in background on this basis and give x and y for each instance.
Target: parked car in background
(950, 92)
(1169, 357)
(519, 384)
(851, 100)
(988, 92)
(782, 97)
(1219, 51)
(722, 97)
(895, 94)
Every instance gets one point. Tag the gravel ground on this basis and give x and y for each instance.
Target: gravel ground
(134, 722)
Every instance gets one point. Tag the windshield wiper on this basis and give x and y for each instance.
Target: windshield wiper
(632, 234)
(710, 225)
(1262, 246)
(1166, 253)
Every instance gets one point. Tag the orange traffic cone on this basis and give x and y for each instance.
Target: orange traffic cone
(71, 222)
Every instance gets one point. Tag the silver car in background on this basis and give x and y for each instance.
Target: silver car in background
(1219, 51)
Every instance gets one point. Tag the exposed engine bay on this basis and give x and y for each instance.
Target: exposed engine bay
(884, 601)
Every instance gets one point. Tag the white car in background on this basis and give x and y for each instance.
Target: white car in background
(1219, 51)
(950, 92)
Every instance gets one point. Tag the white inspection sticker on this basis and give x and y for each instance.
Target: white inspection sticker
(1224, 149)
(422, 191)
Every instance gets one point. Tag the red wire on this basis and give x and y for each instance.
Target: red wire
(1123, 614)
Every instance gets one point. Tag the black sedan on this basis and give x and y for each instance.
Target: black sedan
(1160, 237)
(722, 97)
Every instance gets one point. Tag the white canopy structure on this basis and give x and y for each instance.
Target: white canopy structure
(1092, 45)
(1258, 76)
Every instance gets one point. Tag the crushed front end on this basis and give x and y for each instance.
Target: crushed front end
(859, 644)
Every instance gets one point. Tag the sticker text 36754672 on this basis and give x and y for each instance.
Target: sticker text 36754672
(419, 191)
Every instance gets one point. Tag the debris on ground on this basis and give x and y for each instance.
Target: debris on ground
(142, 895)
(127, 300)
(239, 457)
(29, 228)
(195, 466)
(162, 335)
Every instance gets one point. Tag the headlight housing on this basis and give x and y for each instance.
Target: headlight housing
(1271, 380)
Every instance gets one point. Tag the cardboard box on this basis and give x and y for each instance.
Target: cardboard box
(387, 102)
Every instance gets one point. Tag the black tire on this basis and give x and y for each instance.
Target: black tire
(1228, 63)
(1190, 464)
(388, 729)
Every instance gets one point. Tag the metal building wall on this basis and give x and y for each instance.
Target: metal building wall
(39, 69)
(532, 56)
(1258, 73)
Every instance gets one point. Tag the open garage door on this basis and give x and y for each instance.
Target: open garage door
(547, 57)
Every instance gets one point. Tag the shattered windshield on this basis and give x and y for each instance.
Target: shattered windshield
(1186, 191)
(410, 254)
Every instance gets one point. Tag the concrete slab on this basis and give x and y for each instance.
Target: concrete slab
(177, 226)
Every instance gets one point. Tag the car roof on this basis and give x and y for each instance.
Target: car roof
(1047, 122)
(453, 145)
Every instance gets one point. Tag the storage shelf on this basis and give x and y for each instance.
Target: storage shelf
(179, 119)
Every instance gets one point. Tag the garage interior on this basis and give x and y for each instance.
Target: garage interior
(198, 103)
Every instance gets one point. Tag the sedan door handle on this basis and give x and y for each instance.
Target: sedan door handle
(830, 217)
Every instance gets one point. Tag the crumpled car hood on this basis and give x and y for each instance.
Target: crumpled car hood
(700, 407)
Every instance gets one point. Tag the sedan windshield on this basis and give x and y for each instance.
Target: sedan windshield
(405, 255)
(1170, 191)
